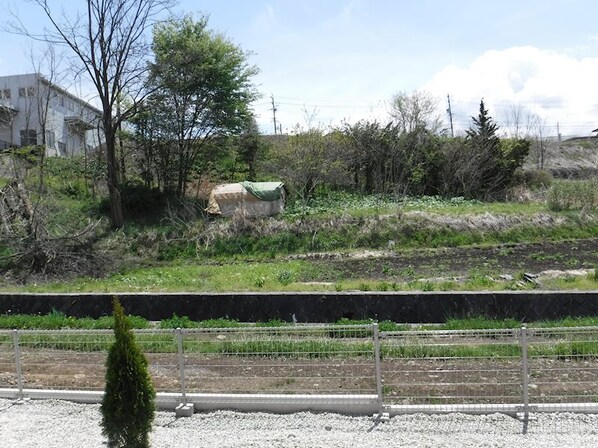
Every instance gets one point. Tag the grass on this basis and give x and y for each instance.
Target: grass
(250, 261)
(313, 344)
(57, 321)
(290, 275)
(359, 205)
(302, 342)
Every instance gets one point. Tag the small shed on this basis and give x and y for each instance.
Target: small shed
(252, 198)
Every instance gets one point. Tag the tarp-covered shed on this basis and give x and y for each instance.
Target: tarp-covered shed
(252, 198)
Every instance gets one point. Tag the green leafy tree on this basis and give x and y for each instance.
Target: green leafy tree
(250, 146)
(202, 88)
(128, 404)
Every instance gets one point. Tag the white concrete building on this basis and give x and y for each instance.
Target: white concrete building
(35, 111)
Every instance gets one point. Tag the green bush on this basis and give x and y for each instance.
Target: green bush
(533, 179)
(128, 404)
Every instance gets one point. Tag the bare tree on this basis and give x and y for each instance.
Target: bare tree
(416, 110)
(522, 123)
(108, 41)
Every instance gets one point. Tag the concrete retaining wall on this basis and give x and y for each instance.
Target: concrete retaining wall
(316, 307)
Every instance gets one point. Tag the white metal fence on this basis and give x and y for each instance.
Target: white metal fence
(522, 370)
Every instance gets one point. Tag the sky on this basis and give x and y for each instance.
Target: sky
(326, 62)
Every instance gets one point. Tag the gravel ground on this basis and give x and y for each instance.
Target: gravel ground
(51, 423)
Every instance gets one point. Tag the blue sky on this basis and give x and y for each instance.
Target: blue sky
(335, 60)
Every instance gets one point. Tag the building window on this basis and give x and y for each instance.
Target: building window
(61, 101)
(25, 92)
(5, 94)
(61, 149)
(28, 137)
(50, 139)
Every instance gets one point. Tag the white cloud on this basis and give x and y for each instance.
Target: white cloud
(556, 87)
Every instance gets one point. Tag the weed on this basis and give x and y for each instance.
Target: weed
(383, 286)
(447, 285)
(408, 271)
(285, 277)
(428, 286)
(568, 278)
(178, 322)
(505, 252)
(364, 287)
(259, 282)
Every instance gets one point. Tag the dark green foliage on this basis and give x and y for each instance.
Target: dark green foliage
(387, 159)
(128, 404)
(491, 162)
(141, 201)
(250, 146)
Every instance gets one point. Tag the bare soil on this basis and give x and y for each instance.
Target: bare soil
(458, 262)
(406, 381)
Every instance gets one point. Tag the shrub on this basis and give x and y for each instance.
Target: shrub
(128, 404)
(533, 179)
(571, 195)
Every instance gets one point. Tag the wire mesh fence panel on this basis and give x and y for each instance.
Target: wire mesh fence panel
(64, 359)
(160, 349)
(8, 367)
(451, 367)
(285, 360)
(563, 365)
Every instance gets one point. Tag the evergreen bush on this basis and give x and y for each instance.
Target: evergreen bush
(128, 404)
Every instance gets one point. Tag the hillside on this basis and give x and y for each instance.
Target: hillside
(574, 158)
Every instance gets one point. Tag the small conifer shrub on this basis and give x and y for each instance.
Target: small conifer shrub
(128, 404)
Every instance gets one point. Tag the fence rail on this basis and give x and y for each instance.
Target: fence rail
(526, 369)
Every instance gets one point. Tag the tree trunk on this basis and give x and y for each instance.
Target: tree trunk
(117, 217)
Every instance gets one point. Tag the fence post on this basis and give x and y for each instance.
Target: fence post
(524, 378)
(179, 340)
(17, 348)
(376, 333)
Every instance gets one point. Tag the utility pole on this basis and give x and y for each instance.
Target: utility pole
(558, 131)
(274, 113)
(450, 113)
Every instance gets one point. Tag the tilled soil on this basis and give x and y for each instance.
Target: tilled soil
(455, 262)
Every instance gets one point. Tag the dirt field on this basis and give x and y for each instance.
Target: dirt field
(458, 262)
(406, 381)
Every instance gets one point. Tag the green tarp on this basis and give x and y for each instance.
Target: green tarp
(266, 191)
